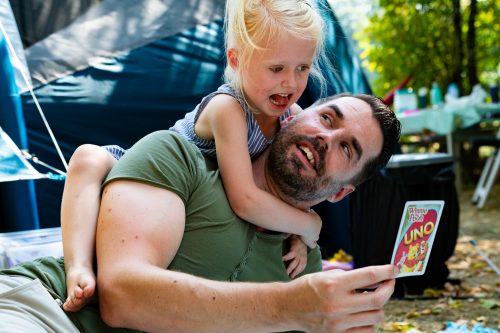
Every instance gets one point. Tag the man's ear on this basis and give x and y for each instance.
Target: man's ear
(342, 193)
(232, 58)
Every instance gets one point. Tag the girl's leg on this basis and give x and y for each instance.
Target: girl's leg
(87, 169)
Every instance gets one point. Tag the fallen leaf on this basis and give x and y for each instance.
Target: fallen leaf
(426, 312)
(455, 304)
(486, 287)
(431, 292)
(489, 303)
(402, 326)
(437, 310)
(477, 265)
(413, 314)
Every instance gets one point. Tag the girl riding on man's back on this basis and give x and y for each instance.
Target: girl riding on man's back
(272, 47)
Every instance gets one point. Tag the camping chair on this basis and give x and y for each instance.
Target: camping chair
(489, 172)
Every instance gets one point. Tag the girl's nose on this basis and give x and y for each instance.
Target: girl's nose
(289, 81)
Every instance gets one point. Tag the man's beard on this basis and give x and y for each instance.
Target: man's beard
(285, 170)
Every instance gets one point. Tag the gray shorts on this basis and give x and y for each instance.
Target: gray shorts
(27, 307)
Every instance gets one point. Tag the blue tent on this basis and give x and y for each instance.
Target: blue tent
(18, 203)
(125, 68)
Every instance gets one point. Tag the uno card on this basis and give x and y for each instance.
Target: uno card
(416, 234)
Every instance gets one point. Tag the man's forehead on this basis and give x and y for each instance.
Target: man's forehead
(346, 104)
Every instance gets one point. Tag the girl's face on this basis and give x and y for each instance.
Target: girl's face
(277, 77)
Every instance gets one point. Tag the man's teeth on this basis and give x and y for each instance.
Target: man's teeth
(309, 154)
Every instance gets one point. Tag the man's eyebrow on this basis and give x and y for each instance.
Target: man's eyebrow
(337, 110)
(357, 148)
(354, 141)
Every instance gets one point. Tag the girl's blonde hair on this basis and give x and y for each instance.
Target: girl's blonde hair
(252, 25)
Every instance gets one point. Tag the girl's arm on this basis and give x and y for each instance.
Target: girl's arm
(225, 119)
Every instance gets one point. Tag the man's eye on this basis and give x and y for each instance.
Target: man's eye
(347, 150)
(328, 119)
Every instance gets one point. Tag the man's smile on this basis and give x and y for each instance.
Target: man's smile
(308, 155)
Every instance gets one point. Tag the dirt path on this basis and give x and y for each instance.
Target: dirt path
(477, 299)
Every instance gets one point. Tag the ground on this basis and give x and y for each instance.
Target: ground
(477, 299)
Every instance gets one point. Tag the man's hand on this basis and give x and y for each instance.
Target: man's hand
(329, 301)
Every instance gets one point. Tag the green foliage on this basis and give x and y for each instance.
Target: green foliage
(417, 38)
(488, 41)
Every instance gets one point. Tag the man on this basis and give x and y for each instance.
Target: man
(163, 206)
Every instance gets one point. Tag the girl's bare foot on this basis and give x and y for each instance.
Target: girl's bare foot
(81, 286)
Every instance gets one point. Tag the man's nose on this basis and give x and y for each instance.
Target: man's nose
(329, 137)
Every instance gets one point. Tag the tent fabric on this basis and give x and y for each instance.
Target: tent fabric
(119, 100)
(8, 26)
(140, 80)
(38, 19)
(13, 165)
(113, 27)
(18, 206)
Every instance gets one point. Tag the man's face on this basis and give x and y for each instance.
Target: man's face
(323, 148)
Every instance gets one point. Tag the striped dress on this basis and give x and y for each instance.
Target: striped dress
(257, 142)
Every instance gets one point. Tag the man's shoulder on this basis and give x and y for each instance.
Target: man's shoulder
(169, 142)
(157, 156)
(168, 137)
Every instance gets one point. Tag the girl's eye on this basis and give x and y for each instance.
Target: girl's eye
(328, 119)
(303, 68)
(276, 69)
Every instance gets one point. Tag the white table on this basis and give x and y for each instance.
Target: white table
(447, 121)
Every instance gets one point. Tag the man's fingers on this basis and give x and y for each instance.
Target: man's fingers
(372, 300)
(361, 322)
(367, 276)
(364, 329)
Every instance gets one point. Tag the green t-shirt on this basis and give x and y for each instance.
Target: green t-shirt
(216, 245)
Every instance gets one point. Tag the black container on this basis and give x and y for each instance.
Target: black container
(377, 206)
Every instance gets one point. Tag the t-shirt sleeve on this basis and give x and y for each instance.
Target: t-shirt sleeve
(161, 159)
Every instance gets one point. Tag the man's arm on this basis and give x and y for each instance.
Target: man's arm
(139, 231)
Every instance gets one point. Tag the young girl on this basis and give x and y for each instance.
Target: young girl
(272, 47)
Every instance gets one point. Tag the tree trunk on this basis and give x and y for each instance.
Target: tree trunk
(457, 26)
(471, 46)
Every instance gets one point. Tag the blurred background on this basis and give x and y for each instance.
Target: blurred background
(148, 62)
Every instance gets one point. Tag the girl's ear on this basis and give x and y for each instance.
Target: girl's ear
(232, 58)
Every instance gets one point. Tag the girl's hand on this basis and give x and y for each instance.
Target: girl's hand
(296, 257)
